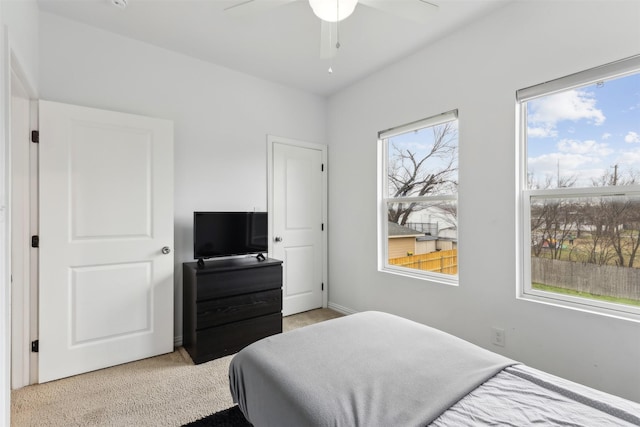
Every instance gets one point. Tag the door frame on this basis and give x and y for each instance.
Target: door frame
(271, 141)
(23, 328)
(24, 303)
(10, 68)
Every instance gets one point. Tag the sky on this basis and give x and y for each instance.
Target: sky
(581, 133)
(584, 132)
(420, 142)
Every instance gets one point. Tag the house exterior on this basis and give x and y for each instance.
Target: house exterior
(427, 244)
(402, 241)
(447, 239)
(405, 241)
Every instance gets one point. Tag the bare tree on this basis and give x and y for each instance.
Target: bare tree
(560, 181)
(552, 221)
(599, 245)
(552, 224)
(613, 221)
(410, 175)
(620, 217)
(617, 177)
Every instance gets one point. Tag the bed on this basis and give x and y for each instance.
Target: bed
(377, 369)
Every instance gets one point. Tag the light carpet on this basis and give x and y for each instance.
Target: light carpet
(167, 390)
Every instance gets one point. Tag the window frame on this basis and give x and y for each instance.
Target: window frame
(384, 200)
(525, 291)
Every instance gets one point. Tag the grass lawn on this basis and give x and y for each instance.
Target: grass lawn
(557, 290)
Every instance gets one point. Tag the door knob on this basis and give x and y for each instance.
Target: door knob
(166, 250)
(278, 239)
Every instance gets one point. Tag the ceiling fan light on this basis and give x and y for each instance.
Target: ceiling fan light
(333, 10)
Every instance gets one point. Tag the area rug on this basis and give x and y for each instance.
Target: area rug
(231, 417)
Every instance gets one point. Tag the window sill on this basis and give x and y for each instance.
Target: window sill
(617, 311)
(417, 274)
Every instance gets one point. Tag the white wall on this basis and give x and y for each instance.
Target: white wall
(18, 39)
(21, 20)
(221, 117)
(478, 71)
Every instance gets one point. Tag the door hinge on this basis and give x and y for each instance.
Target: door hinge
(35, 136)
(322, 288)
(322, 226)
(322, 167)
(35, 241)
(35, 346)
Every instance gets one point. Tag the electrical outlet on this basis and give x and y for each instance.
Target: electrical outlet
(498, 336)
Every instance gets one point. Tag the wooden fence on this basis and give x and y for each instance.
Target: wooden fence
(445, 262)
(607, 280)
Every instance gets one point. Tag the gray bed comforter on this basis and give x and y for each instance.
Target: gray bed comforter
(523, 396)
(367, 369)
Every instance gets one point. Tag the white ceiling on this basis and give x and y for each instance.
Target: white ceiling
(281, 44)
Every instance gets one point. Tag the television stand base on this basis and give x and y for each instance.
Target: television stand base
(260, 257)
(200, 263)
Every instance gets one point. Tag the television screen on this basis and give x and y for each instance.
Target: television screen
(217, 234)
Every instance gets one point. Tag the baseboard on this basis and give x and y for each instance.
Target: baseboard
(341, 309)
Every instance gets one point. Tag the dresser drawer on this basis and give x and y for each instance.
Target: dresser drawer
(226, 283)
(228, 304)
(231, 309)
(227, 339)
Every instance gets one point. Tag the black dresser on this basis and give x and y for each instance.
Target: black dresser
(228, 304)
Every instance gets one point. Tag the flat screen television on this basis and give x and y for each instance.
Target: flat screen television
(223, 234)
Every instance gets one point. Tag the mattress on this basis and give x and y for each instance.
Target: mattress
(376, 369)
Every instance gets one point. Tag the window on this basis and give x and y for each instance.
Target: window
(418, 199)
(580, 188)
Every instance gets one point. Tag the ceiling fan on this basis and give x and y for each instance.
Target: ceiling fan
(330, 12)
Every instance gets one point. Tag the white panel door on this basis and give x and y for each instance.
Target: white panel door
(106, 213)
(298, 225)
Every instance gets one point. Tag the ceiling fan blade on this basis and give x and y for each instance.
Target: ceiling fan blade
(250, 7)
(419, 11)
(328, 39)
